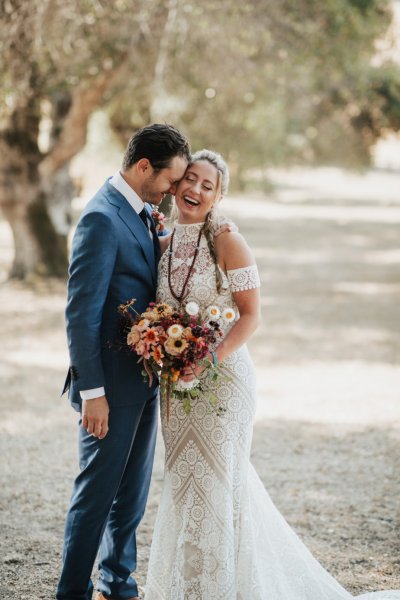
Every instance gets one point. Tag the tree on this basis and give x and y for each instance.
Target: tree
(59, 60)
(292, 82)
(264, 82)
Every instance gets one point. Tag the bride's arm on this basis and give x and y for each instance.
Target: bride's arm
(234, 253)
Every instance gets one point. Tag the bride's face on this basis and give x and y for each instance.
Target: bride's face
(197, 192)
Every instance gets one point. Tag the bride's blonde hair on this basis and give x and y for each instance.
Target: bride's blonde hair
(212, 218)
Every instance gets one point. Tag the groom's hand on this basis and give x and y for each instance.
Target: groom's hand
(226, 226)
(95, 416)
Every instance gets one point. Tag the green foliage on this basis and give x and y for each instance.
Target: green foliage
(289, 84)
(264, 82)
(385, 84)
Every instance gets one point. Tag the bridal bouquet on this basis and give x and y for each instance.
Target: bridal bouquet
(170, 342)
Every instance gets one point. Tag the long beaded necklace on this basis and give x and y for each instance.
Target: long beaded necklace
(179, 297)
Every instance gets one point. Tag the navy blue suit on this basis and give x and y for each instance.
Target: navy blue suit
(113, 260)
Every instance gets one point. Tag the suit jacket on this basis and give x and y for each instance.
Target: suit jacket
(113, 260)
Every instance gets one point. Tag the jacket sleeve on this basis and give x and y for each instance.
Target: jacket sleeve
(94, 251)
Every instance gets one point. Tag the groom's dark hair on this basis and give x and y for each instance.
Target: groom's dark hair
(159, 144)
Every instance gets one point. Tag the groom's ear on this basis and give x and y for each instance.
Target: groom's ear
(143, 166)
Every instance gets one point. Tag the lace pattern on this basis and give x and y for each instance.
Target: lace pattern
(218, 535)
(245, 278)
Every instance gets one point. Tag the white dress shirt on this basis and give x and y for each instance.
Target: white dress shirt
(138, 205)
(125, 189)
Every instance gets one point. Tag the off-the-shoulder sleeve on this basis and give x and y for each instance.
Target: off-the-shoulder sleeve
(245, 278)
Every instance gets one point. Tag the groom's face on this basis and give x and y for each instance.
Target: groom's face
(156, 185)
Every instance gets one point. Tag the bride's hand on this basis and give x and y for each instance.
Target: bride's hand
(190, 373)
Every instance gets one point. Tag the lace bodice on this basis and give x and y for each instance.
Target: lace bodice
(201, 286)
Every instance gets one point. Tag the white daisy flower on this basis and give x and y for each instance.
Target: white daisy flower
(192, 308)
(229, 315)
(175, 331)
(213, 313)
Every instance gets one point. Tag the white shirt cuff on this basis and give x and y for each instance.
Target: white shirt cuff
(91, 394)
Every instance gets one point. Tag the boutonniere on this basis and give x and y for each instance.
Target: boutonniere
(158, 218)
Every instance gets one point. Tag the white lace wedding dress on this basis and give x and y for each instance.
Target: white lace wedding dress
(218, 535)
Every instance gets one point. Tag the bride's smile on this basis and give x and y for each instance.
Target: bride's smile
(197, 192)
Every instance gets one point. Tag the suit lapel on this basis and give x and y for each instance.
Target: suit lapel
(134, 223)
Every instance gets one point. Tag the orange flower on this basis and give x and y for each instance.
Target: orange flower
(157, 355)
(151, 336)
(142, 349)
(174, 375)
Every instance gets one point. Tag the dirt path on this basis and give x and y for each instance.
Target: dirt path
(327, 435)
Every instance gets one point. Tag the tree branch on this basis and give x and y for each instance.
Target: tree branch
(73, 136)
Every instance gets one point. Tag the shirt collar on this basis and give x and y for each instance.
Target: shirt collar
(128, 193)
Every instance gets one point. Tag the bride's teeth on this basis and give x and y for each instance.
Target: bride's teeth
(191, 201)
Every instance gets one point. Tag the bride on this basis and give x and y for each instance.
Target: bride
(218, 535)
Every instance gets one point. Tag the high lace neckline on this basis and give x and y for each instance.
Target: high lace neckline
(184, 225)
(188, 231)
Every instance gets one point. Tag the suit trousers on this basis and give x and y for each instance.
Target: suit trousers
(108, 501)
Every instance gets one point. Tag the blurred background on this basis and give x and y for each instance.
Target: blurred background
(267, 83)
(303, 100)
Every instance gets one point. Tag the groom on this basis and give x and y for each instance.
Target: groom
(114, 258)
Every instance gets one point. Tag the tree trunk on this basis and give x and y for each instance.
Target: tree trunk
(26, 248)
(39, 249)
(34, 187)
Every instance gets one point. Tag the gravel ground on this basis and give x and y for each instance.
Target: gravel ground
(327, 433)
